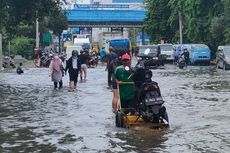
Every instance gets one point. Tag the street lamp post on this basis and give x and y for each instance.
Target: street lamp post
(180, 27)
(0, 52)
(37, 33)
(180, 24)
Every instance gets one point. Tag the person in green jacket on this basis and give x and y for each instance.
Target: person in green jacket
(123, 76)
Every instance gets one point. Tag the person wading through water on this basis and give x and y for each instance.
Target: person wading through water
(125, 83)
(84, 59)
(55, 71)
(74, 66)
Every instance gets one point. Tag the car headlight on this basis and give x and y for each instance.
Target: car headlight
(155, 58)
(139, 58)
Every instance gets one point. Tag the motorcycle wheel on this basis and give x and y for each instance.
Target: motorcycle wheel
(156, 118)
(224, 66)
(166, 117)
(119, 119)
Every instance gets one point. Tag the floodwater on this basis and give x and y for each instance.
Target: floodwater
(35, 118)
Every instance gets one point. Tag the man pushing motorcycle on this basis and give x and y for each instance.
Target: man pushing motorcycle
(123, 76)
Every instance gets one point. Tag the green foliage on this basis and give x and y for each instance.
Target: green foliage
(156, 21)
(17, 17)
(203, 21)
(23, 46)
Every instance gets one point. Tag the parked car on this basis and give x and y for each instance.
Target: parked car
(199, 53)
(166, 50)
(152, 54)
(223, 57)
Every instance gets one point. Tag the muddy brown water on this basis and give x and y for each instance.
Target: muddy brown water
(36, 118)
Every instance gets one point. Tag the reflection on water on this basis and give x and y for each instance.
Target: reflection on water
(36, 118)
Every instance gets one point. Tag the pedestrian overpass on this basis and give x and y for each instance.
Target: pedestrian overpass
(96, 18)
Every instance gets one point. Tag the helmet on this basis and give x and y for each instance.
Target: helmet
(74, 53)
(125, 57)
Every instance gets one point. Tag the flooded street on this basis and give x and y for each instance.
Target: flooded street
(36, 118)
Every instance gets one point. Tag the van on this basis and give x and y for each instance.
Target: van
(223, 57)
(166, 50)
(199, 53)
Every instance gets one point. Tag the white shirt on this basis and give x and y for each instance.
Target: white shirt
(74, 62)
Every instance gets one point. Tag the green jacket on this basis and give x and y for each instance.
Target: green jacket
(126, 90)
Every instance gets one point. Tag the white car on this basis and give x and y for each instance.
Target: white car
(166, 50)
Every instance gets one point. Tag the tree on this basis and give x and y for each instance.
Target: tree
(18, 17)
(23, 46)
(156, 22)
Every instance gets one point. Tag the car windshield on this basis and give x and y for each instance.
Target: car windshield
(226, 51)
(166, 47)
(200, 46)
(152, 49)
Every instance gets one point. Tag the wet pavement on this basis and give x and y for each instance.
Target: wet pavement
(36, 118)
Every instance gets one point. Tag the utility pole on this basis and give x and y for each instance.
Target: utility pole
(9, 48)
(0, 52)
(37, 33)
(180, 25)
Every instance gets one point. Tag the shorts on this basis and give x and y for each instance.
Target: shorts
(73, 76)
(83, 67)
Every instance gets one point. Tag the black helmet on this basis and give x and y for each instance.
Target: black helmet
(75, 53)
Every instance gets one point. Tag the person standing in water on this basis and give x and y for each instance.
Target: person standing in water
(83, 57)
(55, 71)
(74, 66)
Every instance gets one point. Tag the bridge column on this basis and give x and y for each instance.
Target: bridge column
(142, 37)
(59, 44)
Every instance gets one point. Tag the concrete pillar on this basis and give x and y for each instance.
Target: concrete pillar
(0, 52)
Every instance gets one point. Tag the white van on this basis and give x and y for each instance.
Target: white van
(166, 50)
(69, 50)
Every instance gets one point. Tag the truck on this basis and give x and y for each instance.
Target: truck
(120, 46)
(166, 50)
(104, 37)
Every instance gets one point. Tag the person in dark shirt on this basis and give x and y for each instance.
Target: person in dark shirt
(74, 66)
(110, 57)
(83, 57)
(19, 69)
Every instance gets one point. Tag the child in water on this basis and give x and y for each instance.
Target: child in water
(19, 69)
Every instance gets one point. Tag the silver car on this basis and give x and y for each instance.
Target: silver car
(223, 57)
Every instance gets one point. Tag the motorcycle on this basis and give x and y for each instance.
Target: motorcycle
(181, 62)
(8, 62)
(93, 60)
(149, 99)
(46, 59)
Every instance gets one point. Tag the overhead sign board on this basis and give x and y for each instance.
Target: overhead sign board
(101, 6)
(128, 1)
